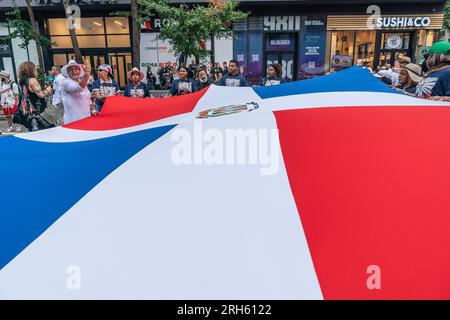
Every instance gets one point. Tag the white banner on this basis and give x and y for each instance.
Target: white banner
(158, 53)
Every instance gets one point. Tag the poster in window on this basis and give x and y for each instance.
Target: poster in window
(341, 61)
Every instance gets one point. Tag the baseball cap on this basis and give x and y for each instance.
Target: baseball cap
(442, 47)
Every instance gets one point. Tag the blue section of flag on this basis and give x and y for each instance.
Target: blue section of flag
(352, 79)
(43, 180)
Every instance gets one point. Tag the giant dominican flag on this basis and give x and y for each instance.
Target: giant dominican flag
(343, 193)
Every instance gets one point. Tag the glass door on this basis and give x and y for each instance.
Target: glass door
(95, 58)
(281, 48)
(120, 63)
(286, 60)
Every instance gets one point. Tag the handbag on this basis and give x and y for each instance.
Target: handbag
(28, 115)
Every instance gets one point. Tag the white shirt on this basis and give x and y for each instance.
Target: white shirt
(8, 93)
(57, 89)
(394, 77)
(76, 100)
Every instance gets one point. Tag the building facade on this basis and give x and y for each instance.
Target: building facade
(102, 37)
(308, 38)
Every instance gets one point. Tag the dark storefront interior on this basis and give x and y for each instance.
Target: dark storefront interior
(299, 38)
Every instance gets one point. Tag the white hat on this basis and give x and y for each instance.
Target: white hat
(70, 64)
(135, 70)
(3, 73)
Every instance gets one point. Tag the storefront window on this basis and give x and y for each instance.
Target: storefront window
(345, 41)
(394, 40)
(61, 42)
(425, 39)
(87, 26)
(58, 27)
(118, 41)
(347, 48)
(59, 59)
(91, 33)
(91, 41)
(342, 49)
(120, 63)
(91, 26)
(364, 47)
(117, 25)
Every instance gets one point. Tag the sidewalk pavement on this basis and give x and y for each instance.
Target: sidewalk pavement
(4, 128)
(53, 114)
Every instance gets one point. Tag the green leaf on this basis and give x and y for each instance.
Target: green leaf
(188, 26)
(23, 30)
(447, 16)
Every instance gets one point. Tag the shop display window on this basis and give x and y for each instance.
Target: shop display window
(348, 48)
(92, 33)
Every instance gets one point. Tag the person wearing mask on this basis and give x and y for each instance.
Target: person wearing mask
(105, 86)
(436, 84)
(9, 99)
(32, 98)
(233, 78)
(203, 80)
(183, 85)
(75, 96)
(273, 76)
(136, 88)
(409, 77)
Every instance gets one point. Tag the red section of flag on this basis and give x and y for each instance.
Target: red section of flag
(122, 112)
(372, 186)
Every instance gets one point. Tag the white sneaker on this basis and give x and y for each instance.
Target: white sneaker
(10, 129)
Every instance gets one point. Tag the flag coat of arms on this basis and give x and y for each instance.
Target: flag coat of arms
(330, 188)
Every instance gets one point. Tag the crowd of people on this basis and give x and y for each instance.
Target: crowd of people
(429, 80)
(73, 90)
